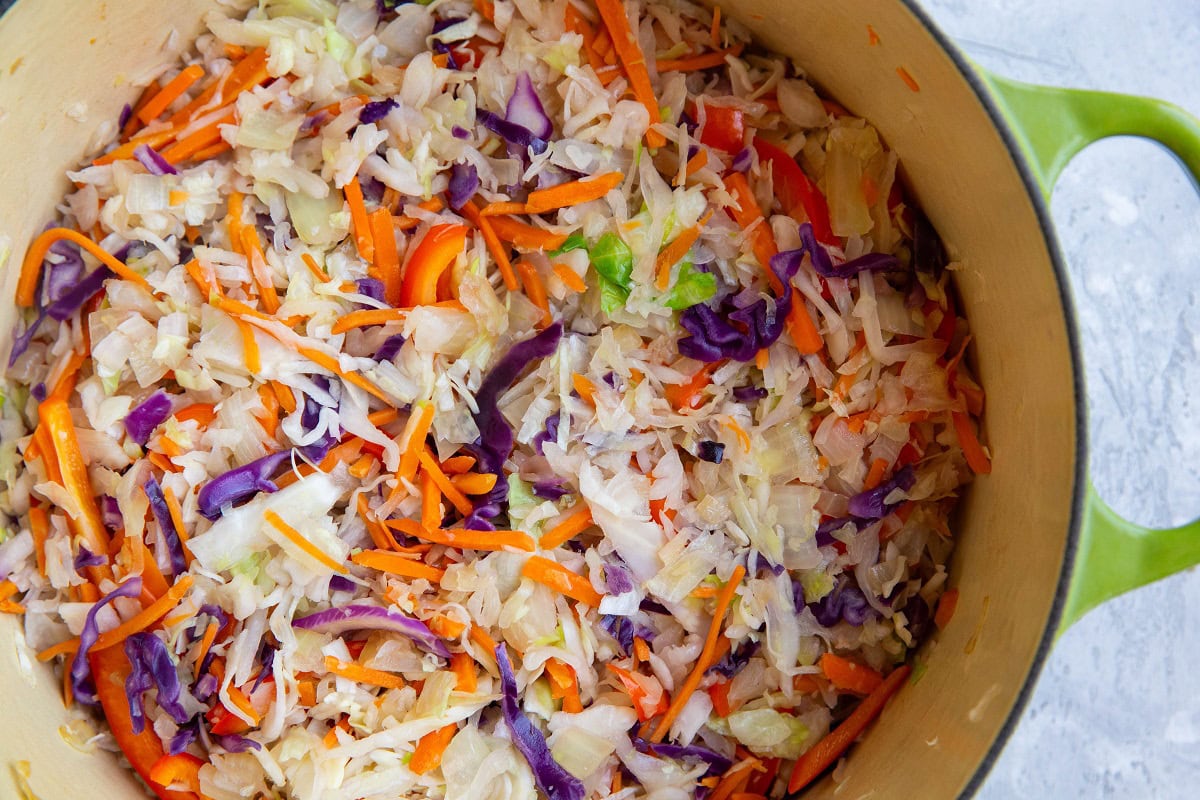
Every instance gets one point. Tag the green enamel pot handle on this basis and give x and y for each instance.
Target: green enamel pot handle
(1052, 125)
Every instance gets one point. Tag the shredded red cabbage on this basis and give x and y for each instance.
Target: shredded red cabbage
(86, 558)
(363, 617)
(58, 279)
(158, 505)
(154, 163)
(746, 394)
(240, 483)
(735, 659)
(390, 347)
(823, 265)
(81, 671)
(372, 288)
(511, 132)
(550, 489)
(459, 132)
(110, 513)
(525, 109)
(152, 668)
(373, 112)
(69, 304)
(495, 436)
(717, 763)
(22, 340)
(183, 738)
(148, 415)
(617, 579)
(550, 434)
(870, 504)
(625, 629)
(464, 183)
(235, 743)
(845, 603)
(713, 452)
(554, 781)
(743, 160)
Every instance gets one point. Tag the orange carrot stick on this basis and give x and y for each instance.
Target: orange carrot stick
(173, 90)
(193, 143)
(633, 61)
(368, 316)
(977, 458)
(570, 278)
(849, 676)
(492, 240)
(39, 527)
(397, 564)
(55, 415)
(572, 193)
(387, 261)
(822, 755)
(473, 483)
(260, 271)
(464, 670)
(146, 617)
(361, 674)
(560, 579)
(132, 124)
(428, 755)
(295, 537)
(526, 236)
(431, 502)
(694, 63)
(535, 289)
(249, 347)
(317, 272)
(412, 441)
(359, 220)
(706, 656)
(675, 252)
(945, 609)
(464, 539)
(434, 470)
(575, 522)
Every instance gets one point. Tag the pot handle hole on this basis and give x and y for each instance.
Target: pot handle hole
(1052, 125)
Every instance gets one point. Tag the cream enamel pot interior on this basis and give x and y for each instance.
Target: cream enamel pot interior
(65, 66)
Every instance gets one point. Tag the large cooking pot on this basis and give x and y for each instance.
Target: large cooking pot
(1037, 548)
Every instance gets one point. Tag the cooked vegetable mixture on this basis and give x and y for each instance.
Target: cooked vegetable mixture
(489, 400)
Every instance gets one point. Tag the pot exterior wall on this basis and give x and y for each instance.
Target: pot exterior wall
(66, 68)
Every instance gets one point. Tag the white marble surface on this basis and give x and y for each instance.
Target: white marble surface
(1116, 713)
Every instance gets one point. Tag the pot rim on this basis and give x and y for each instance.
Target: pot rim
(973, 78)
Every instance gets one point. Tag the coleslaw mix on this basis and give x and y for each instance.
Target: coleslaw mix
(482, 400)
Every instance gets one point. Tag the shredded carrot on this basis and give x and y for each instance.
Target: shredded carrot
(428, 754)
(317, 272)
(945, 609)
(431, 502)
(486, 9)
(361, 674)
(575, 522)
(570, 278)
(536, 290)
(849, 676)
(171, 92)
(560, 579)
(31, 267)
(875, 476)
(824, 753)
(734, 780)
(210, 635)
(177, 518)
(328, 362)
(502, 208)
(524, 235)
(445, 627)
(360, 468)
(283, 393)
(452, 493)
(387, 260)
(473, 483)
(397, 564)
(307, 689)
(715, 32)
(55, 415)
(696, 63)
(704, 591)
(564, 685)
(675, 252)
(368, 316)
(633, 61)
(145, 618)
(260, 271)
(689, 393)
(295, 537)
(694, 165)
(464, 670)
(584, 388)
(39, 527)
(214, 150)
(762, 359)
(250, 347)
(458, 465)
(572, 193)
(471, 211)
(706, 655)
(359, 220)
(379, 534)
(464, 539)
(908, 79)
(190, 145)
(483, 639)
(977, 458)
(134, 123)
(412, 441)
(201, 413)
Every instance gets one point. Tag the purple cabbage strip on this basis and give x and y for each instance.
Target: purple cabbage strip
(183, 738)
(442, 48)
(550, 434)
(758, 324)
(152, 668)
(845, 603)
(464, 183)
(919, 617)
(743, 160)
(39, 391)
(827, 528)
(511, 132)
(154, 163)
(624, 630)
(735, 660)
(554, 781)
(823, 265)
(525, 109)
(235, 743)
(148, 415)
(207, 686)
(372, 288)
(22, 340)
(240, 483)
(871, 503)
(363, 617)
(266, 657)
(390, 347)
(158, 505)
(110, 513)
(66, 306)
(337, 583)
(124, 116)
(86, 558)
(617, 579)
(60, 278)
(550, 489)
(717, 763)
(459, 132)
(309, 418)
(746, 394)
(81, 671)
(495, 436)
(215, 613)
(374, 112)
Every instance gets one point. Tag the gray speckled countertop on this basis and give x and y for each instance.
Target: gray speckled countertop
(1116, 713)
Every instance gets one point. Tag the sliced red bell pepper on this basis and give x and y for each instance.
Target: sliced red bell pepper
(796, 191)
(179, 770)
(223, 722)
(143, 750)
(724, 128)
(433, 256)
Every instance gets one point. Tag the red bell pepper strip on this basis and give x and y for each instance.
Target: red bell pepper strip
(178, 770)
(724, 128)
(433, 256)
(796, 191)
(822, 755)
(143, 750)
(223, 722)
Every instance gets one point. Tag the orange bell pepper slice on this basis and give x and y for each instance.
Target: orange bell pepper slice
(434, 255)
